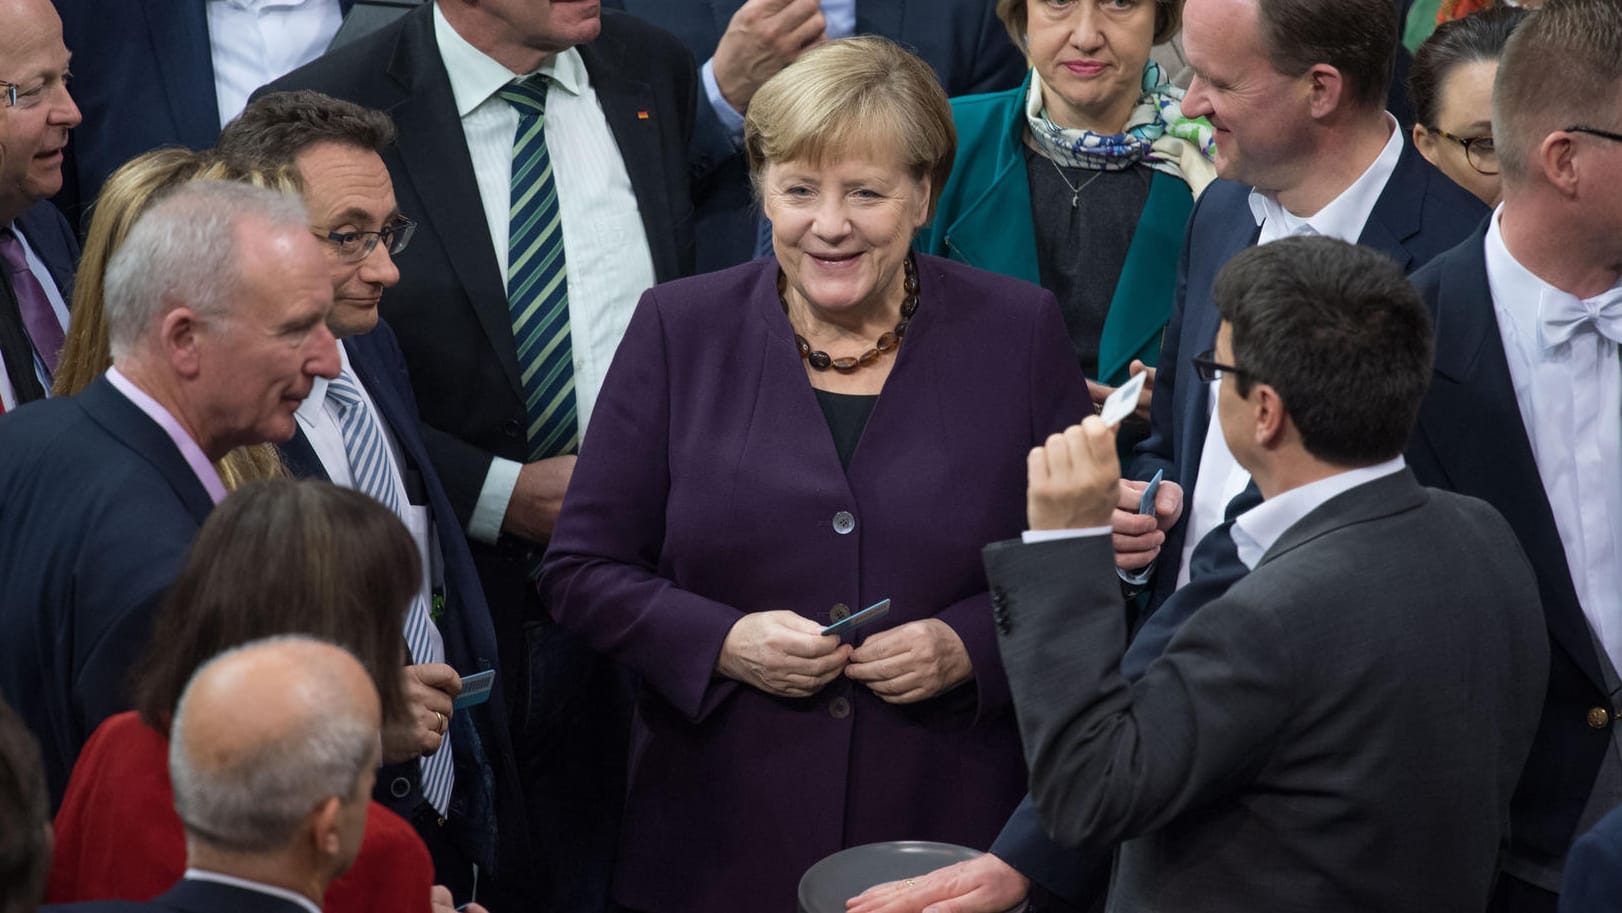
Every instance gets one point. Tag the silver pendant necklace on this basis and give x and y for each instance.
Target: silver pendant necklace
(1075, 192)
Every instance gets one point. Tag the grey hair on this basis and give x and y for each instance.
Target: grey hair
(186, 251)
(254, 803)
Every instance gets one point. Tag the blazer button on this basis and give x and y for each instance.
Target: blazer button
(1599, 718)
(399, 787)
(844, 522)
(512, 429)
(839, 612)
(839, 708)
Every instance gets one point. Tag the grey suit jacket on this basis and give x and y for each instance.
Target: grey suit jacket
(1342, 731)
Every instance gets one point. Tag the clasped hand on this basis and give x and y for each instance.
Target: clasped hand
(782, 653)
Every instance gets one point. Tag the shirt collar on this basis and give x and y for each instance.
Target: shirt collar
(246, 885)
(475, 76)
(309, 411)
(1255, 531)
(201, 465)
(1345, 215)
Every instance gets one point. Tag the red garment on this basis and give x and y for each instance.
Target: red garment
(1459, 9)
(118, 837)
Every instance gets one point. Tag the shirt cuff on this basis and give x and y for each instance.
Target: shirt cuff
(730, 119)
(1033, 536)
(1140, 578)
(485, 524)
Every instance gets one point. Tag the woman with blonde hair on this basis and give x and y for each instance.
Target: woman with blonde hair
(128, 193)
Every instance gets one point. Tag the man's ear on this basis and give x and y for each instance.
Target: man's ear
(324, 828)
(1271, 419)
(1556, 157)
(179, 339)
(1326, 90)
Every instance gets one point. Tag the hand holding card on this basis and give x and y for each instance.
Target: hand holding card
(1123, 401)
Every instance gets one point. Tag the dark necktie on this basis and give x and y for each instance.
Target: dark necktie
(1212, 568)
(34, 308)
(15, 349)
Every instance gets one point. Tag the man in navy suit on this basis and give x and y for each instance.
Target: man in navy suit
(37, 249)
(1295, 90)
(152, 73)
(1525, 406)
(742, 43)
(334, 146)
(304, 760)
(216, 310)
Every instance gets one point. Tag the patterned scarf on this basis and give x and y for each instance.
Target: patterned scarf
(1157, 134)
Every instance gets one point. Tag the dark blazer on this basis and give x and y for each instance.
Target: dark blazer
(1471, 439)
(487, 773)
(961, 39)
(1593, 882)
(709, 486)
(188, 896)
(53, 240)
(1314, 714)
(97, 511)
(143, 76)
(1419, 214)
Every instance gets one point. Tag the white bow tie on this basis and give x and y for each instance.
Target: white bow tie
(1560, 315)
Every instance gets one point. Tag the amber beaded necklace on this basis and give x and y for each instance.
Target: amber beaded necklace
(887, 342)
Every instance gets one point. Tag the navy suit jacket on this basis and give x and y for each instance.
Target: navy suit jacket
(143, 76)
(961, 39)
(487, 774)
(1471, 439)
(1593, 881)
(53, 240)
(188, 896)
(97, 511)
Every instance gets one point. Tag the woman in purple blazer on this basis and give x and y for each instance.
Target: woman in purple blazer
(780, 444)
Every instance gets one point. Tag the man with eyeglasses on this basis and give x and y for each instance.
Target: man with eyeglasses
(1525, 408)
(37, 247)
(451, 773)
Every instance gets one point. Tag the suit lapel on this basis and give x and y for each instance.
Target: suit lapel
(1382, 497)
(179, 33)
(125, 421)
(1396, 214)
(301, 458)
(394, 414)
(1471, 421)
(434, 158)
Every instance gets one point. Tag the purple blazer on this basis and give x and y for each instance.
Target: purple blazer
(708, 487)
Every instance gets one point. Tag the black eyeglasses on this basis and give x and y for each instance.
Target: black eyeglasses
(1208, 369)
(1479, 151)
(8, 91)
(1595, 131)
(354, 246)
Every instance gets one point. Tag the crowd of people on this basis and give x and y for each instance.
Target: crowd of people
(443, 464)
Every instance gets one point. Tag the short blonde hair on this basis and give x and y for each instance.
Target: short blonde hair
(1562, 66)
(1015, 18)
(854, 93)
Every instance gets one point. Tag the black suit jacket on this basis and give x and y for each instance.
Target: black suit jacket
(1318, 738)
(188, 896)
(143, 76)
(1418, 215)
(961, 39)
(1471, 439)
(486, 770)
(97, 511)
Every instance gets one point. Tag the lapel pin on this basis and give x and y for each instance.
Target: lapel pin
(642, 115)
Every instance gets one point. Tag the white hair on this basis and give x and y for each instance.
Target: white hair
(186, 250)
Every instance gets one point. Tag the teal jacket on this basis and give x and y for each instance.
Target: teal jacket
(984, 219)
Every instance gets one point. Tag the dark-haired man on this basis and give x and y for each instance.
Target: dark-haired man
(452, 774)
(1525, 409)
(1344, 725)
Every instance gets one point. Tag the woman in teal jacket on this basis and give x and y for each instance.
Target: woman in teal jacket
(1081, 180)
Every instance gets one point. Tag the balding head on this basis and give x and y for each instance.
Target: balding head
(35, 130)
(271, 739)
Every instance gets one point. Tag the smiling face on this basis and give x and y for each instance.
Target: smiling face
(1464, 109)
(1259, 115)
(841, 230)
(35, 131)
(347, 189)
(1090, 54)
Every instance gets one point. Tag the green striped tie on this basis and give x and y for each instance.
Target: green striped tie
(537, 290)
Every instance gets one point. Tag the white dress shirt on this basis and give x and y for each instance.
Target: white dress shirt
(1255, 530)
(1220, 477)
(1570, 398)
(318, 418)
(246, 885)
(8, 396)
(605, 247)
(840, 19)
(254, 42)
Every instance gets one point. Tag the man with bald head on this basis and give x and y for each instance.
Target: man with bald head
(37, 247)
(216, 308)
(274, 801)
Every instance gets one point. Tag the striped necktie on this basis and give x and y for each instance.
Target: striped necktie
(537, 290)
(374, 472)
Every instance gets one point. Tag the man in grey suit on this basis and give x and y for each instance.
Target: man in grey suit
(1343, 729)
